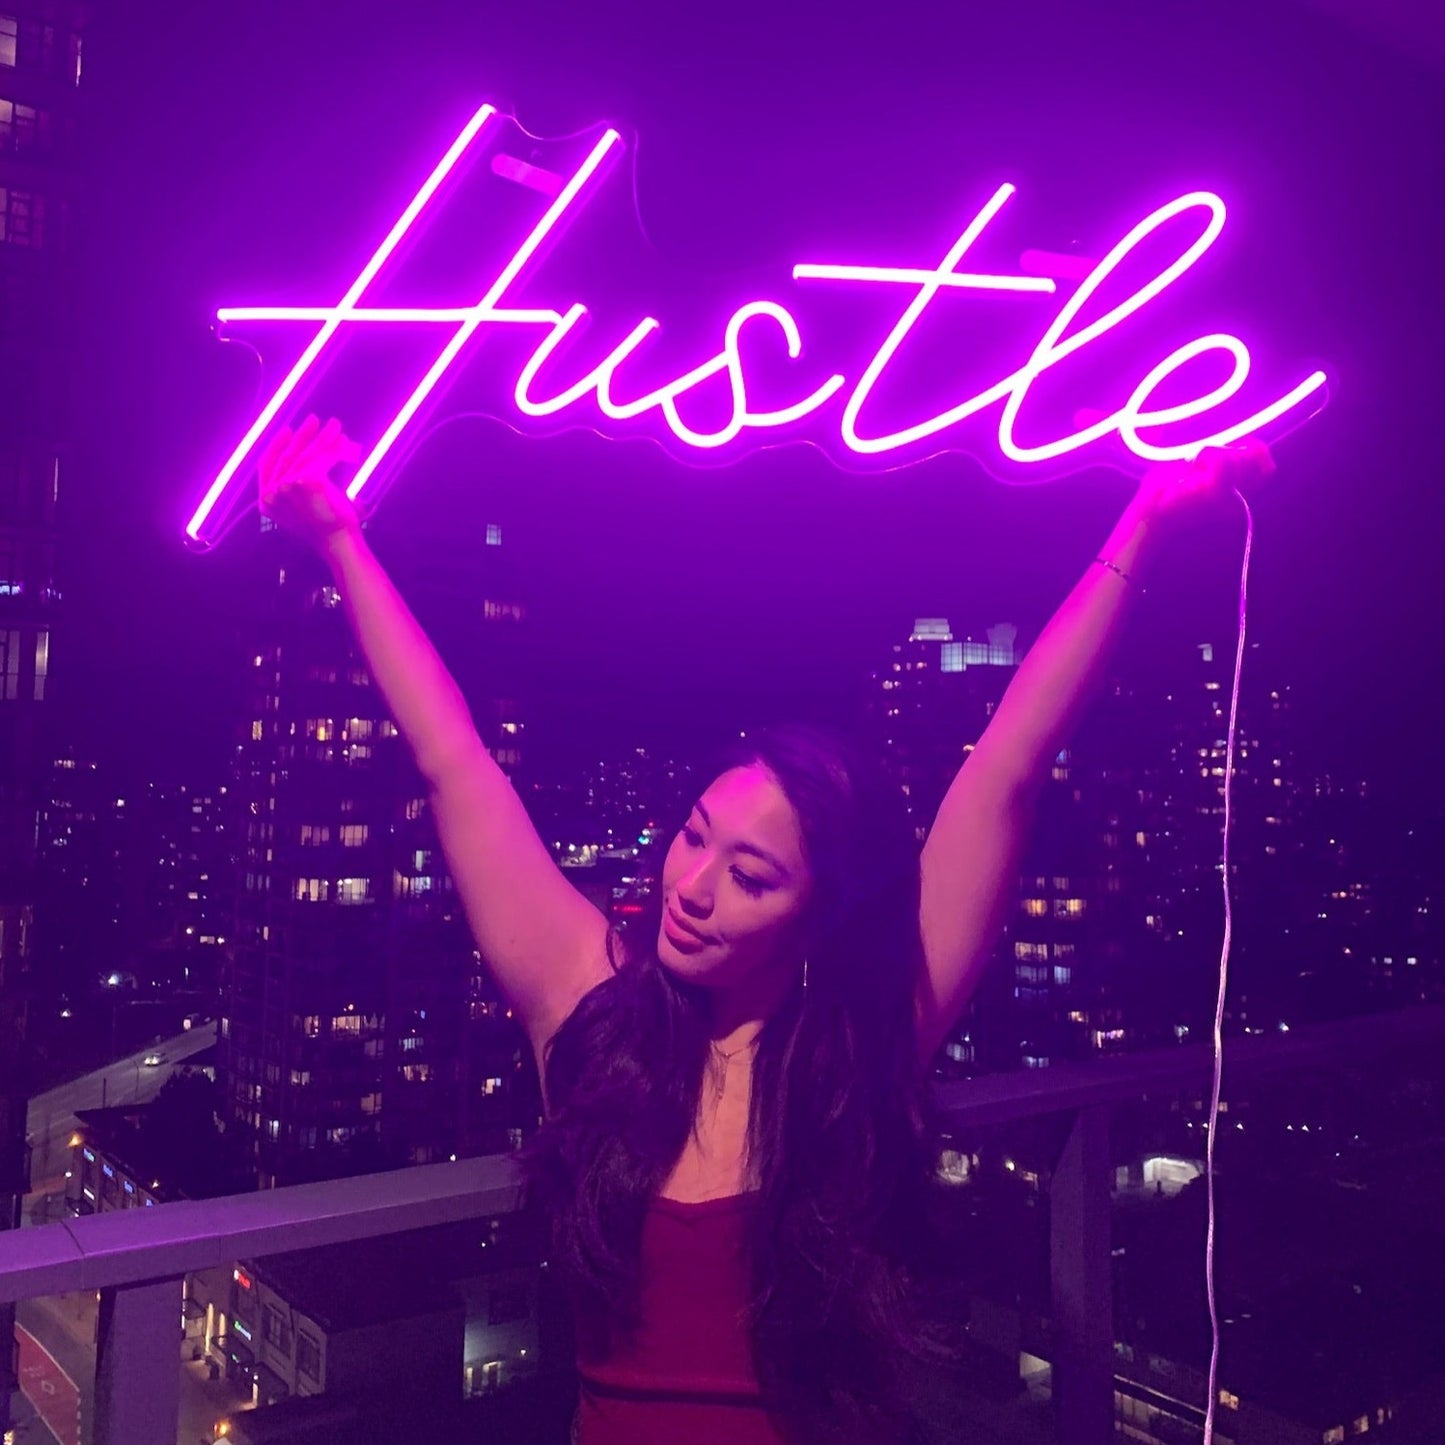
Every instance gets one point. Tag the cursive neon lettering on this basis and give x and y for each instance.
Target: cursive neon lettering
(618, 395)
(665, 398)
(248, 444)
(1055, 346)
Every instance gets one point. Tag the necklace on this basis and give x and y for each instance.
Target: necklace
(728, 1056)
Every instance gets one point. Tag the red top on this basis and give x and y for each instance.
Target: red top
(687, 1373)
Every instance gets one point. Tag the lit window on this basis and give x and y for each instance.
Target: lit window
(353, 890)
(354, 835)
(21, 126)
(22, 218)
(9, 665)
(9, 34)
(494, 535)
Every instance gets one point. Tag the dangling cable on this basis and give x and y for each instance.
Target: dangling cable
(1213, 1125)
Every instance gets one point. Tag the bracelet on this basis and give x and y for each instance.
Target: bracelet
(1114, 567)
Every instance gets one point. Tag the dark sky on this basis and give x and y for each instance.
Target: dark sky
(231, 149)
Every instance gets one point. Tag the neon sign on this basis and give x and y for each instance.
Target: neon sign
(878, 364)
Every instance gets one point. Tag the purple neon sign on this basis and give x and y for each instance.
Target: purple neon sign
(817, 366)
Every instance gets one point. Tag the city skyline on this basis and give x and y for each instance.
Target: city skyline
(1342, 566)
(232, 955)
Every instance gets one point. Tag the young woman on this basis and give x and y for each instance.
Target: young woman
(736, 1161)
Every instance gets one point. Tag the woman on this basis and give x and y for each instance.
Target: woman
(736, 1160)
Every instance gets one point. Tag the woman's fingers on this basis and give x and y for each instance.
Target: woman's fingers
(293, 459)
(267, 465)
(320, 454)
(301, 438)
(1253, 454)
(1242, 463)
(320, 438)
(311, 447)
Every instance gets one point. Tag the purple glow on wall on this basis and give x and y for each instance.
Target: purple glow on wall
(811, 369)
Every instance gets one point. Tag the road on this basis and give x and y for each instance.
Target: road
(62, 1331)
(52, 1121)
(49, 1388)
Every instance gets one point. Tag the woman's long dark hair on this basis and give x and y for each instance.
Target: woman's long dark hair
(838, 1134)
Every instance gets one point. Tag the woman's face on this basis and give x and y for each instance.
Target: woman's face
(735, 883)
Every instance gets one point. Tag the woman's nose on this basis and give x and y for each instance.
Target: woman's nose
(694, 892)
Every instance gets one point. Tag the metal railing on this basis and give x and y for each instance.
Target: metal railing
(137, 1259)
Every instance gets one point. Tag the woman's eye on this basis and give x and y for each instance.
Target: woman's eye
(691, 836)
(749, 884)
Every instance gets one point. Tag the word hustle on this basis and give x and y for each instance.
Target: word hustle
(767, 382)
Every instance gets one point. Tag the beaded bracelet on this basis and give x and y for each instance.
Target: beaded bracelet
(1114, 567)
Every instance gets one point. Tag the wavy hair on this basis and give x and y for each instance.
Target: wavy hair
(838, 1134)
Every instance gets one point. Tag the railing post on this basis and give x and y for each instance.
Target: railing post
(1083, 1297)
(138, 1364)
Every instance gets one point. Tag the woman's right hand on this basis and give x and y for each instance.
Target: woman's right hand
(296, 490)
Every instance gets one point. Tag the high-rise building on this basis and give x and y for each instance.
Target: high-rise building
(930, 702)
(134, 881)
(1131, 826)
(39, 73)
(1113, 941)
(359, 1025)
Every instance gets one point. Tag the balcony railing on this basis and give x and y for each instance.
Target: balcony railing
(137, 1259)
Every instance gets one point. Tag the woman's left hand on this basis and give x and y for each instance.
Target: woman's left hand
(1172, 489)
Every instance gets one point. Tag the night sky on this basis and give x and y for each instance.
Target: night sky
(233, 151)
